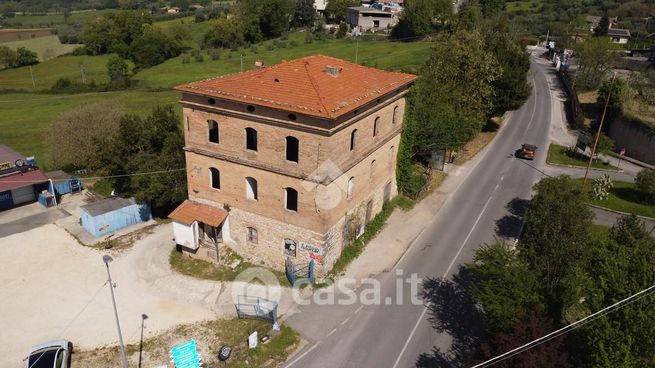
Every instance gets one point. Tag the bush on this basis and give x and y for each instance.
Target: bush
(309, 38)
(294, 43)
(645, 182)
(215, 54)
(198, 56)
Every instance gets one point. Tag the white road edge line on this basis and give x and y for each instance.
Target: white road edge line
(303, 354)
(331, 332)
(359, 308)
(459, 251)
(345, 321)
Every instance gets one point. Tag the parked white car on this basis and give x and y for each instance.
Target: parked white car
(51, 354)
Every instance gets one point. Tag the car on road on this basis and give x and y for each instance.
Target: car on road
(526, 151)
(51, 354)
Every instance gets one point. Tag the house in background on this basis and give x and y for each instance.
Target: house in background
(367, 18)
(289, 162)
(620, 36)
(594, 20)
(108, 215)
(320, 6)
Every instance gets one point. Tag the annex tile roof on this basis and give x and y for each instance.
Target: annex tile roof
(318, 85)
(19, 180)
(190, 211)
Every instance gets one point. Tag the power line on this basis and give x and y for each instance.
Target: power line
(567, 328)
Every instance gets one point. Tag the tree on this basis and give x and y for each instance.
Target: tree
(491, 7)
(618, 99)
(117, 70)
(304, 13)
(595, 58)
(622, 266)
(151, 144)
(421, 18)
(113, 32)
(511, 89)
(337, 8)
(645, 182)
(25, 57)
(531, 326)
(468, 17)
(76, 136)
(7, 57)
(503, 285)
(603, 26)
(555, 239)
(275, 17)
(225, 32)
(605, 144)
(153, 47)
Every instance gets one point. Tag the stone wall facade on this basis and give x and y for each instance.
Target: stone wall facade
(637, 139)
(338, 187)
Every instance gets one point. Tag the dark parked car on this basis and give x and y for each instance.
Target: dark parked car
(52, 354)
(526, 151)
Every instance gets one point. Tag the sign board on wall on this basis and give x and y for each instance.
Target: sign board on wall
(252, 340)
(311, 248)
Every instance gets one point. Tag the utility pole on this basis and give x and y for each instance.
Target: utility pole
(356, 49)
(82, 72)
(144, 317)
(241, 63)
(32, 75)
(106, 258)
(600, 126)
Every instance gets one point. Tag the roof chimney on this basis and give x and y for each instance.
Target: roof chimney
(332, 70)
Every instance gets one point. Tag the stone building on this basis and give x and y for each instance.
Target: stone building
(289, 160)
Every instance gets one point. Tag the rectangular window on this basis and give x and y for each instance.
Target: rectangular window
(290, 247)
(252, 235)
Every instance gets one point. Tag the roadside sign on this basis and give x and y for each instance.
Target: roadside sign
(185, 355)
(252, 340)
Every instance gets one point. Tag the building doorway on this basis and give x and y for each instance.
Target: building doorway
(387, 192)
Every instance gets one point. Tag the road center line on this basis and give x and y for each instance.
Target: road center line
(459, 251)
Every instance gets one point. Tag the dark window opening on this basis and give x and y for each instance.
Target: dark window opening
(251, 139)
(252, 235)
(292, 149)
(291, 199)
(250, 108)
(292, 117)
(290, 247)
(251, 188)
(215, 178)
(213, 131)
(353, 139)
(395, 115)
(211, 101)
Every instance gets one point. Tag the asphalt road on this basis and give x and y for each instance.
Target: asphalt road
(483, 208)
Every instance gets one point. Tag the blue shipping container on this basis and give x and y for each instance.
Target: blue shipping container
(112, 214)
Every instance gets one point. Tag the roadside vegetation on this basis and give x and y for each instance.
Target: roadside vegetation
(627, 198)
(231, 265)
(570, 156)
(562, 270)
(209, 336)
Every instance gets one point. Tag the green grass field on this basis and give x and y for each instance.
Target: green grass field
(54, 18)
(26, 118)
(381, 54)
(625, 197)
(40, 45)
(557, 155)
(47, 73)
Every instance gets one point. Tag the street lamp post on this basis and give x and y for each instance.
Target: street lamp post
(106, 258)
(144, 317)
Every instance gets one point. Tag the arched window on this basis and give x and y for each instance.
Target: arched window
(291, 199)
(214, 178)
(372, 172)
(213, 131)
(251, 235)
(376, 126)
(353, 139)
(293, 146)
(394, 118)
(351, 185)
(251, 139)
(251, 188)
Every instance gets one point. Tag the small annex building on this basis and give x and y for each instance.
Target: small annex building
(20, 179)
(197, 225)
(108, 215)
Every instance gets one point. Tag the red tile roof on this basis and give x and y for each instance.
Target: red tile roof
(190, 211)
(19, 180)
(304, 86)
